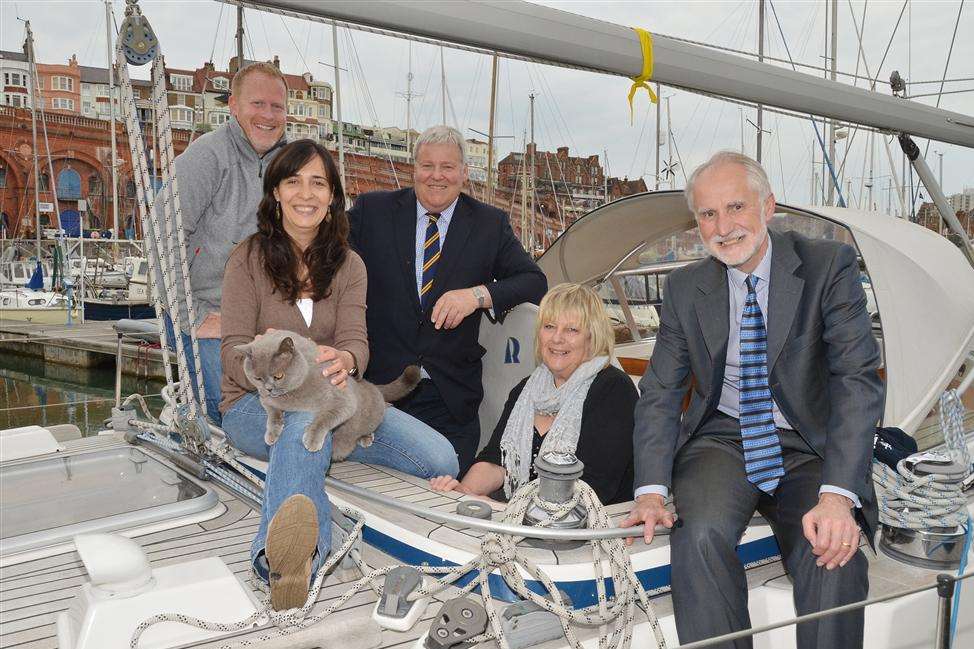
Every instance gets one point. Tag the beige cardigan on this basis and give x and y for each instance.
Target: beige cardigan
(250, 307)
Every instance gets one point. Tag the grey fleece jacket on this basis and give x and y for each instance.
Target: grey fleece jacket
(220, 180)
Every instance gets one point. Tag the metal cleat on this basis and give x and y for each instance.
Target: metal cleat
(120, 422)
(394, 610)
(458, 621)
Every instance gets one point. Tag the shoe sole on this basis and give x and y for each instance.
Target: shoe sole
(292, 537)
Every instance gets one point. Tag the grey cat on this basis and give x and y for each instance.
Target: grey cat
(281, 365)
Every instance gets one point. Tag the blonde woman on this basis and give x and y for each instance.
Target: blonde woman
(574, 401)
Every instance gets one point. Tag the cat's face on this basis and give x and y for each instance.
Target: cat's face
(273, 365)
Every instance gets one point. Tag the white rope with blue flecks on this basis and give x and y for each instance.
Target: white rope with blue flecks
(914, 502)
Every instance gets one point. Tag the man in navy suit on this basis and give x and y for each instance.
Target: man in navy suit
(436, 259)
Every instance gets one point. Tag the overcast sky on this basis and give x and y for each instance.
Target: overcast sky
(585, 111)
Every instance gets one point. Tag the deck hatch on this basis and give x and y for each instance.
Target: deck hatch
(50, 500)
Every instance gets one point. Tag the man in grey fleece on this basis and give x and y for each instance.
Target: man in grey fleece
(220, 186)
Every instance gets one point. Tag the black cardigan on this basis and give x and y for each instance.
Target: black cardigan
(605, 440)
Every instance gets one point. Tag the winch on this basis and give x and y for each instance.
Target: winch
(557, 473)
(937, 547)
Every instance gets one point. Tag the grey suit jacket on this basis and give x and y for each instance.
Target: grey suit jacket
(822, 360)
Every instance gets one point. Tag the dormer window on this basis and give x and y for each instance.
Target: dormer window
(221, 83)
(181, 82)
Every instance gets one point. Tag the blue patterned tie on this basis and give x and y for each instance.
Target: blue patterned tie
(759, 436)
(431, 255)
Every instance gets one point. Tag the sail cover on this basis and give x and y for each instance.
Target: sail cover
(924, 286)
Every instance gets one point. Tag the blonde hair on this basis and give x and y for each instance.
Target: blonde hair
(583, 303)
(260, 67)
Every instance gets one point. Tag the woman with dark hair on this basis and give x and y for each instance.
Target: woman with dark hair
(298, 273)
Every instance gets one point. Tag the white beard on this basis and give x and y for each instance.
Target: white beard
(743, 251)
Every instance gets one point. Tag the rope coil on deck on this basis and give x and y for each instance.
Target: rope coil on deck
(911, 501)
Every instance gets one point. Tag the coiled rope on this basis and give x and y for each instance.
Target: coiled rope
(916, 502)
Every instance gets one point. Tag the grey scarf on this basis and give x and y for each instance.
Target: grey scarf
(541, 396)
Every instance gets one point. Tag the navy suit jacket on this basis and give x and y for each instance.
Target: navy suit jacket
(480, 248)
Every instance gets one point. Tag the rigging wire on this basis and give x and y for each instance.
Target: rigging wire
(818, 135)
(950, 51)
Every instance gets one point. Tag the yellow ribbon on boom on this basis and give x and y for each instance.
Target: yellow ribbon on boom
(646, 43)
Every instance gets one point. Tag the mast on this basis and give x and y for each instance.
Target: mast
(833, 58)
(562, 38)
(443, 84)
(408, 95)
(240, 36)
(669, 143)
(111, 110)
(760, 124)
(338, 107)
(531, 151)
(33, 130)
(490, 130)
(524, 194)
(658, 142)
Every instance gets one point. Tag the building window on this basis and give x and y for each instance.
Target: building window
(217, 118)
(94, 185)
(321, 112)
(130, 189)
(45, 183)
(181, 81)
(62, 83)
(321, 93)
(16, 99)
(3, 177)
(87, 108)
(15, 79)
(221, 83)
(68, 184)
(181, 114)
(292, 94)
(59, 103)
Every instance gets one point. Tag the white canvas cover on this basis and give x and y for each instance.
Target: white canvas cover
(924, 286)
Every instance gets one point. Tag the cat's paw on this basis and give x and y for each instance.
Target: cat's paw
(366, 440)
(313, 442)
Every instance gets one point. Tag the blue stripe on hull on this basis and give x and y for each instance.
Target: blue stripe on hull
(583, 593)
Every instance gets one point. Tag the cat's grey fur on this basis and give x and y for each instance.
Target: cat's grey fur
(281, 365)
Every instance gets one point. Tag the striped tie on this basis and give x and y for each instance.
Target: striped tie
(759, 436)
(431, 255)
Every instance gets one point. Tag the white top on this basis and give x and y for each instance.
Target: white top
(306, 306)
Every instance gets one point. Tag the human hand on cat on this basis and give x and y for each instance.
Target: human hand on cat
(453, 307)
(337, 369)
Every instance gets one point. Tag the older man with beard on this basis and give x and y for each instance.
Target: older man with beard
(771, 336)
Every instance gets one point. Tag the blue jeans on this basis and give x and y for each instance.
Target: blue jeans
(209, 363)
(401, 442)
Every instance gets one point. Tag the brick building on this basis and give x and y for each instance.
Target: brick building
(80, 154)
(60, 86)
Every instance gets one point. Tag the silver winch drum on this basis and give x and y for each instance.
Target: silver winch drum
(937, 548)
(557, 473)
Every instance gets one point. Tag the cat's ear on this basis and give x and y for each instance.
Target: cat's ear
(247, 350)
(286, 346)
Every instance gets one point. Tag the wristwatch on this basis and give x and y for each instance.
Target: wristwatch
(478, 293)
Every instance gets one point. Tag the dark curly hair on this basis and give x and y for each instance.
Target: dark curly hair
(327, 251)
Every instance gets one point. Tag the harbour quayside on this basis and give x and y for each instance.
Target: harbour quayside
(139, 536)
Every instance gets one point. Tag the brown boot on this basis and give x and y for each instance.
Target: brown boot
(291, 541)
